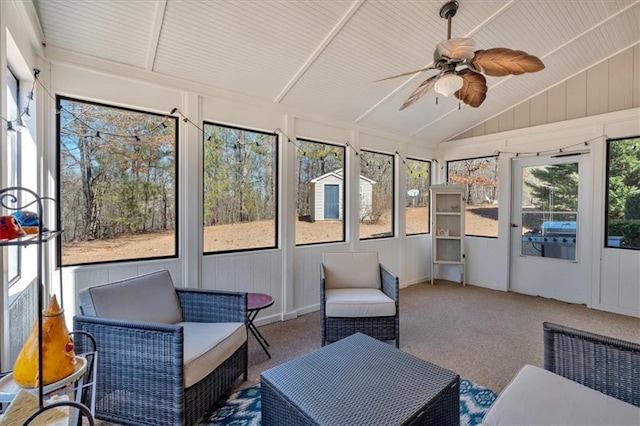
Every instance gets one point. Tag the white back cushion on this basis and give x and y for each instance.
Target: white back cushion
(351, 270)
(149, 298)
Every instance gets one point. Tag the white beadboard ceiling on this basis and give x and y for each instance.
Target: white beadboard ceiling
(322, 57)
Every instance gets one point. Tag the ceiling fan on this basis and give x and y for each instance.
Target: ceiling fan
(460, 66)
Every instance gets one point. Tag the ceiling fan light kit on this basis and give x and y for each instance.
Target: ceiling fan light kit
(461, 67)
(449, 84)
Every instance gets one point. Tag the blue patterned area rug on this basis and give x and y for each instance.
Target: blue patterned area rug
(243, 407)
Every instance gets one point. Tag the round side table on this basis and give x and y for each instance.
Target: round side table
(255, 303)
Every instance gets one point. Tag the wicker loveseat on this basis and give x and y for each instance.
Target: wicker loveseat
(165, 354)
(587, 379)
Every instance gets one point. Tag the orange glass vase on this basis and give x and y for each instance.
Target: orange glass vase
(58, 360)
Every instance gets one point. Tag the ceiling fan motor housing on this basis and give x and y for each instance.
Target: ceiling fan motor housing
(449, 9)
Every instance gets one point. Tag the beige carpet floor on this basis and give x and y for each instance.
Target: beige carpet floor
(484, 335)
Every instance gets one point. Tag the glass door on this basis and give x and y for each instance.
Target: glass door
(547, 234)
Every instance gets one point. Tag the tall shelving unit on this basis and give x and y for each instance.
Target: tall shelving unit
(447, 228)
(18, 198)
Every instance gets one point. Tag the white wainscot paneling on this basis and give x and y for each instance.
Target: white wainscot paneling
(306, 276)
(620, 281)
(487, 265)
(389, 253)
(257, 272)
(417, 259)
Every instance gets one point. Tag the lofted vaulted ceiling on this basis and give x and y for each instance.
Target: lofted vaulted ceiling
(322, 57)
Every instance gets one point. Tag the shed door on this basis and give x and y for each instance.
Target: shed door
(331, 202)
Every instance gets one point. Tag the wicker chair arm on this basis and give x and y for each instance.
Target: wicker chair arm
(606, 364)
(142, 358)
(390, 285)
(213, 305)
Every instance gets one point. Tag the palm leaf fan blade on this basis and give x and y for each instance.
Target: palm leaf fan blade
(405, 73)
(501, 61)
(474, 88)
(424, 87)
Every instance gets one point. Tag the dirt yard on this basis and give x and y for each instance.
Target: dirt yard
(480, 220)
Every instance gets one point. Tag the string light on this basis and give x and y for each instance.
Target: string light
(98, 132)
(552, 151)
(354, 150)
(17, 124)
(295, 143)
(411, 171)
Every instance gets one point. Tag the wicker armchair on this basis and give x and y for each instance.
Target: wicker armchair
(358, 295)
(166, 354)
(608, 365)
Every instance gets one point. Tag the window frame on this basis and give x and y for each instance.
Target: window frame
(176, 244)
(14, 144)
(429, 162)
(608, 142)
(276, 194)
(497, 157)
(343, 196)
(393, 196)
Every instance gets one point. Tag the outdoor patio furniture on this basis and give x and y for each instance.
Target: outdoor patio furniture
(359, 381)
(587, 379)
(166, 354)
(358, 295)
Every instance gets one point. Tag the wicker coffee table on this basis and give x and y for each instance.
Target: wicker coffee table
(359, 381)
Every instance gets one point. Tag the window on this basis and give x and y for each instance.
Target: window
(622, 228)
(117, 183)
(376, 195)
(12, 167)
(480, 177)
(240, 189)
(319, 192)
(417, 209)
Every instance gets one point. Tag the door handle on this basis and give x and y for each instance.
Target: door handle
(514, 225)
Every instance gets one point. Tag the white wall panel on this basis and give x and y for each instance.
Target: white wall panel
(521, 116)
(106, 88)
(598, 89)
(615, 275)
(320, 131)
(235, 113)
(620, 80)
(416, 265)
(610, 278)
(611, 85)
(538, 111)
(577, 96)
(629, 279)
(557, 103)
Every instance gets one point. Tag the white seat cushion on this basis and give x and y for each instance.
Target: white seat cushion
(207, 345)
(358, 302)
(536, 396)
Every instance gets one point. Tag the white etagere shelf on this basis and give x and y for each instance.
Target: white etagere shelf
(447, 227)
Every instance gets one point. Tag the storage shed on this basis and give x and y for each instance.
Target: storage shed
(326, 199)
